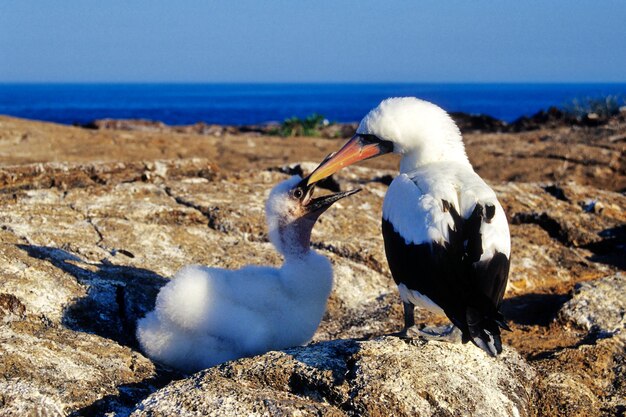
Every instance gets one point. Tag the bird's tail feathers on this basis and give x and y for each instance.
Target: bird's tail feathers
(484, 331)
(501, 322)
(187, 299)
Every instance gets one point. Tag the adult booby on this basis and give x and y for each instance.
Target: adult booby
(205, 316)
(446, 235)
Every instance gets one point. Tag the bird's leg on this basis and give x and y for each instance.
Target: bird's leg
(446, 333)
(409, 315)
(409, 331)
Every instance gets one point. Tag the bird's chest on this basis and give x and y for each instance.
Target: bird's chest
(419, 212)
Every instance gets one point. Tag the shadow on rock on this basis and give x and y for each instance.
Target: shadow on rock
(611, 250)
(533, 309)
(117, 295)
(123, 403)
(322, 368)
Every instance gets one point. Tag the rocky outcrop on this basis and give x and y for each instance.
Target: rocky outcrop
(85, 246)
(586, 156)
(588, 379)
(598, 306)
(553, 156)
(551, 118)
(141, 125)
(582, 380)
(65, 176)
(51, 370)
(380, 377)
(478, 123)
(328, 131)
(127, 124)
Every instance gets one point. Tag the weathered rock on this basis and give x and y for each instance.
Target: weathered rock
(552, 118)
(127, 124)
(50, 370)
(564, 216)
(11, 308)
(85, 245)
(97, 254)
(380, 377)
(598, 306)
(560, 155)
(339, 130)
(555, 242)
(92, 257)
(67, 176)
(588, 156)
(585, 380)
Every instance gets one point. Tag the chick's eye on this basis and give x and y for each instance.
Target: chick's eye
(298, 193)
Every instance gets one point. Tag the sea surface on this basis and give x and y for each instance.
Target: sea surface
(244, 104)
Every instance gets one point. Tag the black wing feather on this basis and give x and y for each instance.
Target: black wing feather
(451, 274)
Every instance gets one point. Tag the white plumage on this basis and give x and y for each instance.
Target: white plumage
(205, 316)
(413, 204)
(434, 167)
(446, 235)
(420, 131)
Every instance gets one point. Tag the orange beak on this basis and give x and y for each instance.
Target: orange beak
(359, 148)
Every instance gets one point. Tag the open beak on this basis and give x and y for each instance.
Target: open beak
(359, 148)
(316, 206)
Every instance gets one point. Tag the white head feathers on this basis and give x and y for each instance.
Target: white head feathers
(289, 231)
(279, 205)
(421, 131)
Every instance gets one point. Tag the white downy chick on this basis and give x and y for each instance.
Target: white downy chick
(205, 316)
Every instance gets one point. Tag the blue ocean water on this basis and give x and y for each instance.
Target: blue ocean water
(240, 104)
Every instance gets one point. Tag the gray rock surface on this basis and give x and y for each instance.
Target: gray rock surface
(50, 370)
(598, 306)
(583, 380)
(84, 260)
(86, 245)
(380, 377)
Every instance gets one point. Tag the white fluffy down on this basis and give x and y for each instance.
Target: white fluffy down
(205, 316)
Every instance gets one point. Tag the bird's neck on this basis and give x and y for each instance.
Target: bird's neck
(305, 274)
(294, 240)
(443, 151)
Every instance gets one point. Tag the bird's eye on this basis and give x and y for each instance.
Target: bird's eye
(369, 139)
(298, 193)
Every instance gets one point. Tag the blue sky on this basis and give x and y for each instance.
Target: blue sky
(312, 41)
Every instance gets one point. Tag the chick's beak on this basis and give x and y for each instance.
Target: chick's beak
(317, 206)
(356, 149)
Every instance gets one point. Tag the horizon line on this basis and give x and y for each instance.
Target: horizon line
(306, 82)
